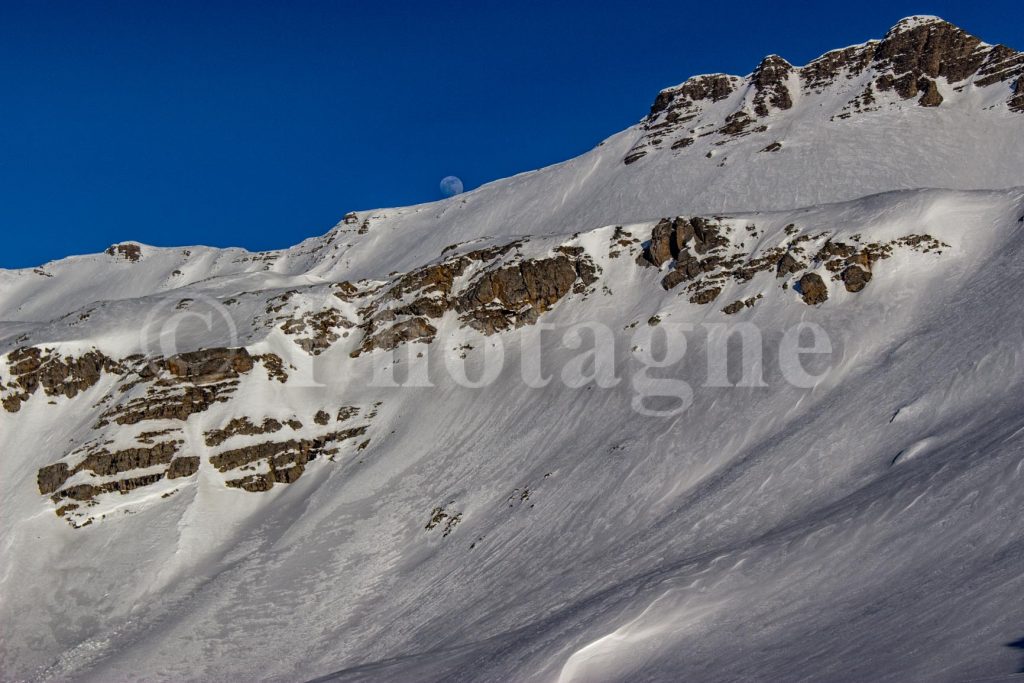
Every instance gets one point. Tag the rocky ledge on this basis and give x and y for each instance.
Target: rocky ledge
(916, 60)
(490, 290)
(705, 253)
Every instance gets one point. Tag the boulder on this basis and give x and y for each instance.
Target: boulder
(813, 289)
(855, 278)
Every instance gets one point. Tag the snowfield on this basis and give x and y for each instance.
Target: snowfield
(861, 525)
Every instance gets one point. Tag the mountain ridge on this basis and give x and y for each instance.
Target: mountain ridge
(918, 28)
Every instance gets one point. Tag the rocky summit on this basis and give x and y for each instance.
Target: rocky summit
(735, 395)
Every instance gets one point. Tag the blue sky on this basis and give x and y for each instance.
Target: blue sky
(258, 124)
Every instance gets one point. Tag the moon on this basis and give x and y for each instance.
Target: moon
(451, 186)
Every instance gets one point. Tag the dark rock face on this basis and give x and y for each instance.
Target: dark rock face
(835, 250)
(634, 156)
(127, 251)
(855, 278)
(299, 451)
(905, 86)
(285, 460)
(705, 296)
(169, 403)
(931, 96)
(445, 518)
(788, 265)
(402, 332)
(740, 304)
(1002, 66)
(674, 279)
(826, 69)
(674, 107)
(52, 477)
(83, 492)
(273, 365)
(346, 413)
(671, 238)
(317, 330)
(771, 79)
(907, 61)
(710, 88)
(238, 426)
(813, 289)
(33, 368)
(736, 124)
(510, 293)
(192, 383)
(707, 235)
(183, 467)
(663, 246)
(699, 247)
(913, 54)
(210, 365)
(933, 48)
(103, 463)
(516, 295)
(431, 286)
(1017, 101)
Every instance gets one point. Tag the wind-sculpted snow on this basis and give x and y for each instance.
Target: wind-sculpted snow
(687, 418)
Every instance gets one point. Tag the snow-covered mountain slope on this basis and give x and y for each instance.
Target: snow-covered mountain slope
(274, 466)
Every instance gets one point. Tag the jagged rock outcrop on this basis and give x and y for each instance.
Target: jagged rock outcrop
(402, 332)
(183, 467)
(678, 100)
(771, 80)
(285, 461)
(103, 463)
(788, 265)
(129, 251)
(316, 331)
(914, 60)
(210, 365)
(241, 426)
(675, 107)
(930, 97)
(855, 278)
(184, 384)
(705, 254)
(168, 403)
(52, 477)
(672, 238)
(516, 295)
(813, 289)
(87, 492)
(931, 47)
(1017, 101)
(503, 291)
(33, 368)
(826, 69)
